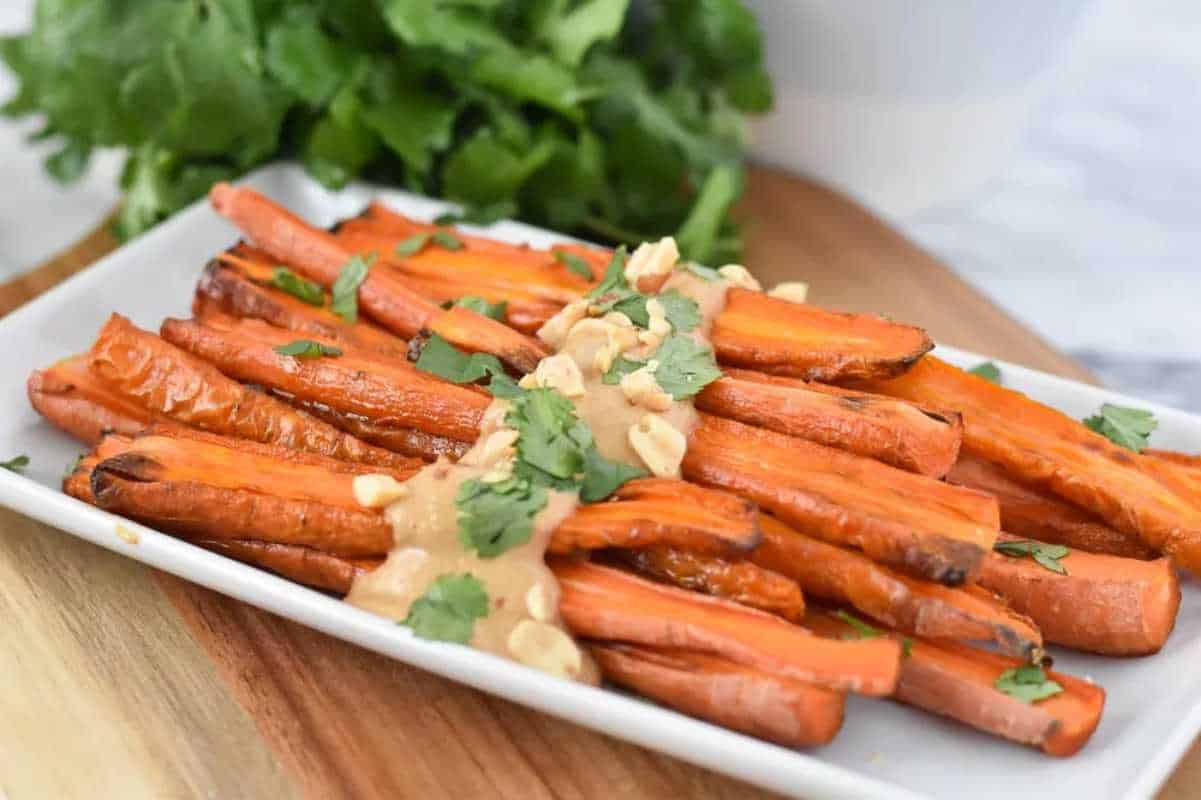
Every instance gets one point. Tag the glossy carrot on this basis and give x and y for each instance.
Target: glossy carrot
(406, 441)
(305, 565)
(75, 401)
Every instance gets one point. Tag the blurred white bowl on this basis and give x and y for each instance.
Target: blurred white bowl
(905, 104)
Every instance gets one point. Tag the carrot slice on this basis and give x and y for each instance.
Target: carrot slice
(1041, 447)
(896, 432)
(784, 338)
(908, 521)
(406, 441)
(1037, 515)
(604, 603)
(294, 562)
(915, 607)
(1104, 604)
(747, 700)
(75, 401)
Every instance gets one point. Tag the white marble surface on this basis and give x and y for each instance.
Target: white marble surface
(1092, 235)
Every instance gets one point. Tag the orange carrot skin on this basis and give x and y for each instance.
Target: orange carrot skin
(405, 441)
(637, 524)
(895, 432)
(604, 603)
(300, 564)
(1037, 515)
(787, 712)
(908, 521)
(76, 402)
(1105, 604)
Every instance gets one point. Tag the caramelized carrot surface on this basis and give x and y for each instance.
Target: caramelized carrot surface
(301, 564)
(1041, 447)
(915, 607)
(896, 432)
(1104, 604)
(959, 682)
(757, 703)
(75, 401)
(908, 521)
(1039, 515)
(406, 441)
(604, 603)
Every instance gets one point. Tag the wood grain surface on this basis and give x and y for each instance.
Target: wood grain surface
(117, 680)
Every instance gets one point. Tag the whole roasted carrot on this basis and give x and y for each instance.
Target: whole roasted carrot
(757, 703)
(960, 682)
(1102, 604)
(305, 565)
(1039, 515)
(603, 603)
(406, 441)
(896, 432)
(915, 607)
(908, 521)
(1041, 447)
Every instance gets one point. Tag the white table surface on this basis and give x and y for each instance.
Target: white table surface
(1092, 235)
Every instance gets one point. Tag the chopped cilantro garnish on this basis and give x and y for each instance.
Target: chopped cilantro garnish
(345, 290)
(603, 476)
(306, 348)
(622, 366)
(685, 366)
(574, 263)
(439, 357)
(448, 240)
(1028, 683)
(859, 628)
(449, 608)
(412, 245)
(494, 517)
(303, 290)
(481, 306)
(988, 371)
(614, 280)
(1125, 427)
(1047, 555)
(701, 271)
(682, 312)
(16, 463)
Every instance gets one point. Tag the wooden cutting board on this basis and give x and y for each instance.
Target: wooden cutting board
(117, 680)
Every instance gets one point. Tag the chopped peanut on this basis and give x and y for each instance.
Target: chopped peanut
(792, 291)
(554, 331)
(739, 276)
(545, 647)
(660, 446)
(641, 389)
(651, 263)
(377, 491)
(558, 372)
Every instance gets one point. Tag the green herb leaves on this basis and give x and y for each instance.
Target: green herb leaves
(481, 306)
(1048, 556)
(685, 366)
(574, 263)
(494, 517)
(439, 357)
(988, 371)
(417, 242)
(1028, 683)
(860, 629)
(307, 348)
(16, 463)
(1125, 427)
(346, 288)
(303, 290)
(449, 608)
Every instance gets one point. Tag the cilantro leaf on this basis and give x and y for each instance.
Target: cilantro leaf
(574, 263)
(74, 465)
(988, 371)
(448, 240)
(1125, 427)
(496, 517)
(412, 245)
(306, 348)
(448, 609)
(481, 306)
(345, 291)
(1046, 555)
(1028, 683)
(16, 463)
(861, 630)
(440, 357)
(701, 271)
(603, 476)
(682, 312)
(685, 366)
(303, 290)
(622, 366)
(614, 279)
(480, 214)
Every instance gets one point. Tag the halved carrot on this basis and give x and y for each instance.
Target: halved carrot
(908, 521)
(301, 564)
(739, 580)
(751, 701)
(604, 603)
(1178, 471)
(896, 432)
(406, 441)
(356, 382)
(75, 401)
(1038, 515)
(1041, 447)
(1104, 604)
(783, 338)
(959, 682)
(915, 607)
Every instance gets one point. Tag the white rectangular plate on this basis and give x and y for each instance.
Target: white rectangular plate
(884, 751)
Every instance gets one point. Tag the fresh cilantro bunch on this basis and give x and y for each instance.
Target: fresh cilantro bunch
(619, 119)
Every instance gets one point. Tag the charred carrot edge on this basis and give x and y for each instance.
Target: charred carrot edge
(915, 607)
(1041, 447)
(76, 402)
(742, 581)
(301, 564)
(604, 603)
(356, 382)
(908, 521)
(406, 441)
(787, 712)
(384, 296)
(1104, 604)
(893, 431)
(958, 682)
(1037, 515)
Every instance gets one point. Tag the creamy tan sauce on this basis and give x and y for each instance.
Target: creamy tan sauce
(523, 622)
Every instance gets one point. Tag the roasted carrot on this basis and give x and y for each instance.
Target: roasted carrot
(384, 295)
(739, 580)
(603, 603)
(73, 399)
(751, 701)
(959, 682)
(897, 601)
(301, 564)
(1104, 604)
(1039, 515)
(908, 521)
(355, 382)
(1178, 471)
(896, 432)
(1041, 447)
(406, 441)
